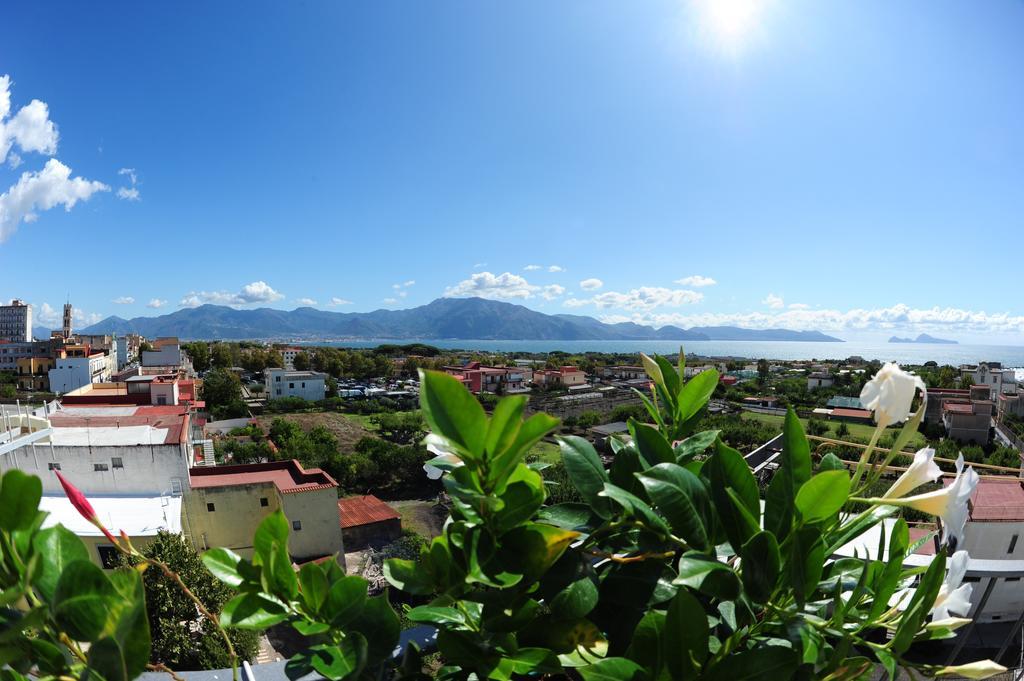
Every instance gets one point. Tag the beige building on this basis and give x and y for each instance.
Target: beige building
(34, 373)
(227, 504)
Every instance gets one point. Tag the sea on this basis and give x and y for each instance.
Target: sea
(1011, 356)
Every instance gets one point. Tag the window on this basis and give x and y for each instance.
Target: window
(277, 379)
(972, 580)
(210, 507)
(161, 399)
(53, 466)
(100, 467)
(303, 384)
(1013, 579)
(117, 462)
(264, 501)
(108, 557)
(1013, 544)
(291, 386)
(296, 525)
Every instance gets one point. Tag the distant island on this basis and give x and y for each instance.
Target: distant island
(924, 338)
(442, 319)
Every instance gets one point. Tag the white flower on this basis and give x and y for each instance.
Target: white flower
(954, 597)
(949, 503)
(445, 457)
(982, 669)
(922, 470)
(890, 393)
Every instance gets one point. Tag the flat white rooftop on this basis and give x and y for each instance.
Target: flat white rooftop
(137, 516)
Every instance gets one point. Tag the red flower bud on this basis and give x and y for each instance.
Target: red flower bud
(83, 506)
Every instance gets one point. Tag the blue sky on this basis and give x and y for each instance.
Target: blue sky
(851, 167)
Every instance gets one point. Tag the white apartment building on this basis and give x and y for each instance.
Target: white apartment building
(309, 385)
(992, 374)
(166, 352)
(288, 354)
(71, 373)
(16, 322)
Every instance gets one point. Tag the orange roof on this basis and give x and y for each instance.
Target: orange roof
(851, 413)
(288, 476)
(364, 510)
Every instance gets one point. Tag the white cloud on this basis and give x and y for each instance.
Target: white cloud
(532, 268)
(897, 317)
(696, 280)
(256, 292)
(50, 187)
(774, 302)
(577, 302)
(505, 286)
(54, 318)
(308, 302)
(130, 172)
(30, 130)
(799, 306)
(335, 302)
(478, 265)
(552, 291)
(409, 282)
(647, 298)
(591, 284)
(403, 294)
(156, 303)
(123, 300)
(555, 268)
(128, 193)
(390, 301)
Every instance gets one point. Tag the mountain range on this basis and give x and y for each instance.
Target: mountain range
(442, 319)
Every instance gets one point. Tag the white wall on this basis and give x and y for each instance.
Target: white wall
(280, 383)
(168, 355)
(71, 373)
(147, 470)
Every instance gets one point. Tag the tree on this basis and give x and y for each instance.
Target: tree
(222, 356)
(301, 361)
(401, 427)
(200, 354)
(222, 391)
(842, 430)
(182, 639)
(763, 371)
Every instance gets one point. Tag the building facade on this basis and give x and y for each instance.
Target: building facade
(309, 385)
(16, 322)
(994, 376)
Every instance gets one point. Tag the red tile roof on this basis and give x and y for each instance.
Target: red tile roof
(958, 407)
(288, 476)
(364, 510)
(997, 499)
(172, 418)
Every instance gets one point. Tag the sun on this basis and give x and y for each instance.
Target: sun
(729, 23)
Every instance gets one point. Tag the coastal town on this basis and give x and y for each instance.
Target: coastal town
(206, 439)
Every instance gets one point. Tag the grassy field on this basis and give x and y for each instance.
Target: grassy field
(858, 430)
(347, 428)
(547, 452)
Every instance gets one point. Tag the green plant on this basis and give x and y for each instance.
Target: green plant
(669, 567)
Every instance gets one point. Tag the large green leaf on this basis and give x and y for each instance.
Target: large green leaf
(822, 496)
(379, 623)
(920, 604)
(522, 497)
(223, 564)
(504, 424)
(531, 549)
(130, 625)
(695, 444)
(669, 375)
(682, 499)
(805, 559)
(82, 599)
(314, 587)
(271, 533)
(646, 647)
(575, 600)
(888, 578)
(346, 660)
(60, 547)
(613, 669)
(695, 395)
(19, 499)
(569, 516)
(685, 642)
(796, 452)
(734, 492)
(453, 412)
(651, 444)
(636, 507)
(761, 566)
(252, 611)
(585, 470)
(345, 600)
(405, 575)
(769, 663)
(530, 432)
(707, 575)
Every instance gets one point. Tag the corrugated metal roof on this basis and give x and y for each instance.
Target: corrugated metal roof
(364, 510)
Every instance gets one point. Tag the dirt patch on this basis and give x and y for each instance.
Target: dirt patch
(348, 430)
(425, 517)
